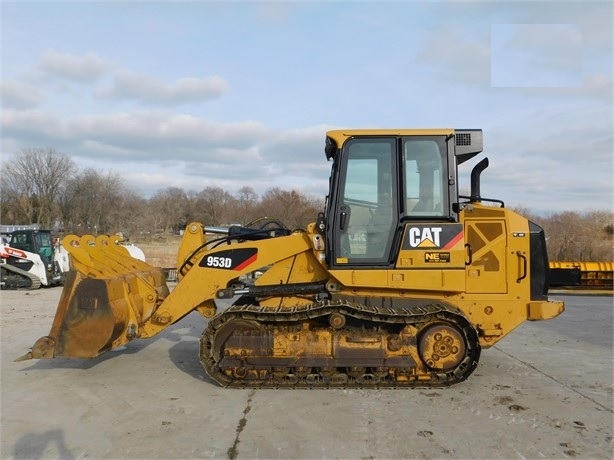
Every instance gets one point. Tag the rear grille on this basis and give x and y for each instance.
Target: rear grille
(463, 139)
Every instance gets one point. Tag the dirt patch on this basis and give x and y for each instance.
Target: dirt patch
(161, 252)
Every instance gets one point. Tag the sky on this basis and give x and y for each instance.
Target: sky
(241, 93)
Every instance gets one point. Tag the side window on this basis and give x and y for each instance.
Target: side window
(425, 173)
(45, 248)
(367, 220)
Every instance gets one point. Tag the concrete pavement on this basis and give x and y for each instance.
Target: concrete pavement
(546, 391)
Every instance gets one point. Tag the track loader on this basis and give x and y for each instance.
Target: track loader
(30, 260)
(400, 282)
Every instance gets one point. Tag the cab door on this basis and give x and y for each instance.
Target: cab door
(366, 214)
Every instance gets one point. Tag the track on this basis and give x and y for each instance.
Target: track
(16, 278)
(338, 344)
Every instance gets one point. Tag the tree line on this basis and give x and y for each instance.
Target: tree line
(44, 186)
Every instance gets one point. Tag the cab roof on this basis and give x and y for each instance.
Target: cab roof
(341, 135)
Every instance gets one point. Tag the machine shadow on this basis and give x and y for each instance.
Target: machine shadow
(184, 354)
(35, 445)
(183, 333)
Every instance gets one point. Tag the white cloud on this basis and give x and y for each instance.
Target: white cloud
(129, 85)
(84, 69)
(192, 152)
(154, 136)
(20, 95)
(30, 125)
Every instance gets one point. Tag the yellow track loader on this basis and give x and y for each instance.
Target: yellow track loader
(400, 282)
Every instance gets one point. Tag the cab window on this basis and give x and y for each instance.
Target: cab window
(425, 176)
(366, 218)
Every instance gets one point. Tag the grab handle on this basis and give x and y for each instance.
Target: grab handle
(469, 254)
(523, 258)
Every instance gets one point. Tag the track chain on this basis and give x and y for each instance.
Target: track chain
(339, 377)
(16, 278)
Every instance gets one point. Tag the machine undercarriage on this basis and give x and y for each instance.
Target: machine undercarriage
(339, 344)
(15, 278)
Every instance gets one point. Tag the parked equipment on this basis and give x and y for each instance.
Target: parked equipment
(400, 282)
(582, 275)
(30, 260)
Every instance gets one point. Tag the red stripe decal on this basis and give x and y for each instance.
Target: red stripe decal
(247, 262)
(454, 240)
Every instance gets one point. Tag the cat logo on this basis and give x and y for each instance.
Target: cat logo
(425, 237)
(420, 237)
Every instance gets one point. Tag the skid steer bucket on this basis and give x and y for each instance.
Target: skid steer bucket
(108, 296)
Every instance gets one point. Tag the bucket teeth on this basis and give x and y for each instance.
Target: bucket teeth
(107, 297)
(43, 348)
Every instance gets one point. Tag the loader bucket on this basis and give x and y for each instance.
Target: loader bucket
(108, 296)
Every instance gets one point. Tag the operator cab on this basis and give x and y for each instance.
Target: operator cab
(34, 241)
(383, 179)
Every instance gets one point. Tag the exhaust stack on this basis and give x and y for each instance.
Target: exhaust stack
(475, 180)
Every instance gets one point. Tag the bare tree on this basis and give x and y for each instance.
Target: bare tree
(576, 237)
(191, 208)
(171, 205)
(130, 213)
(32, 182)
(245, 206)
(92, 202)
(293, 208)
(213, 206)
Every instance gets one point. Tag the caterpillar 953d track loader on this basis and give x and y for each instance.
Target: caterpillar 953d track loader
(400, 282)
